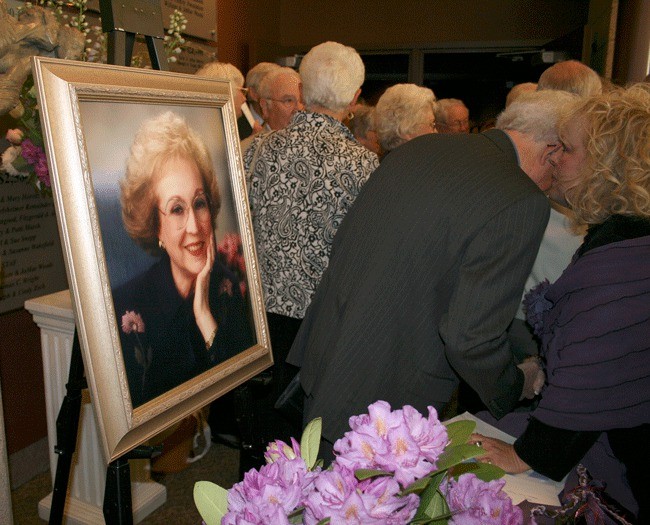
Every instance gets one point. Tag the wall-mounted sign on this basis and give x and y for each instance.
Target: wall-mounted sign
(201, 16)
(31, 263)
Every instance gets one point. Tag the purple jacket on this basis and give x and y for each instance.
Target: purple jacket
(594, 323)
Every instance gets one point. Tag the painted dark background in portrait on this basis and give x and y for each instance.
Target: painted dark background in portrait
(166, 352)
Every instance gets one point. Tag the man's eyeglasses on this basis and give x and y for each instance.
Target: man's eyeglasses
(177, 211)
(287, 102)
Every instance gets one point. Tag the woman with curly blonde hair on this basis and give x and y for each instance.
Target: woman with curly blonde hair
(594, 321)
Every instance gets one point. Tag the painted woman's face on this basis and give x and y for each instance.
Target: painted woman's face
(185, 218)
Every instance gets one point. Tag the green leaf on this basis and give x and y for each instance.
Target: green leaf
(310, 442)
(432, 504)
(459, 432)
(420, 484)
(417, 486)
(365, 473)
(453, 455)
(211, 501)
(483, 471)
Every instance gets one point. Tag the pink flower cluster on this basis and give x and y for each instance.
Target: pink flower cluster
(272, 493)
(231, 252)
(35, 156)
(402, 442)
(339, 496)
(476, 502)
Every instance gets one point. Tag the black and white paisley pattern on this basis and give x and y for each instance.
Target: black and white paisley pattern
(304, 179)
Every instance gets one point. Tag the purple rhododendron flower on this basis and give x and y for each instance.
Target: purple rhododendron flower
(279, 449)
(401, 441)
(335, 496)
(275, 490)
(476, 502)
(382, 500)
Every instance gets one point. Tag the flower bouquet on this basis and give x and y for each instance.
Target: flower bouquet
(392, 467)
(231, 254)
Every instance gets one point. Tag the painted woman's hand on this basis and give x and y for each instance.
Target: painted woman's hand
(204, 318)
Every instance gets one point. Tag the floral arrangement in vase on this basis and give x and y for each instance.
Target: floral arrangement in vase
(75, 38)
(392, 467)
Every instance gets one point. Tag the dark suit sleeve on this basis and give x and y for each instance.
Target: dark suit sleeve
(490, 281)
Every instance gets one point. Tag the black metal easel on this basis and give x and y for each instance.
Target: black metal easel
(117, 494)
(122, 21)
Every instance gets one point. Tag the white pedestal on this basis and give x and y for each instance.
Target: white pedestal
(53, 314)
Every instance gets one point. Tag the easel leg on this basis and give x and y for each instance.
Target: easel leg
(67, 425)
(117, 496)
(157, 54)
(120, 47)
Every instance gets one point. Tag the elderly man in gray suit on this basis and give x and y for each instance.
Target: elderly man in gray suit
(426, 273)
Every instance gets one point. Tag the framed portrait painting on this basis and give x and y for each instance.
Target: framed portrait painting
(155, 228)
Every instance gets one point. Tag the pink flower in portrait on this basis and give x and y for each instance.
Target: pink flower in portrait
(132, 323)
(15, 136)
(229, 248)
(242, 288)
(476, 502)
(225, 287)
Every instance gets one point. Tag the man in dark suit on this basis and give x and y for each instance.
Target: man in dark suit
(426, 272)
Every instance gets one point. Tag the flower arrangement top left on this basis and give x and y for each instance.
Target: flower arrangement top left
(55, 29)
(34, 30)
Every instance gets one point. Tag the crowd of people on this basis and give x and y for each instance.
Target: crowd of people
(406, 259)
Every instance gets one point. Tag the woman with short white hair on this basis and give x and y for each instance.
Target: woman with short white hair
(403, 112)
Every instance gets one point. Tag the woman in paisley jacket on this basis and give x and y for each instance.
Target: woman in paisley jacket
(186, 313)
(594, 321)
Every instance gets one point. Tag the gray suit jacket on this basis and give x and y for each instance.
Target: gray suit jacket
(425, 276)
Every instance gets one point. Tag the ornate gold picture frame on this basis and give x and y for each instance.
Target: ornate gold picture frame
(91, 116)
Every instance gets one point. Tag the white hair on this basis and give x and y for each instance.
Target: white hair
(331, 75)
(266, 86)
(536, 114)
(223, 71)
(258, 72)
(400, 111)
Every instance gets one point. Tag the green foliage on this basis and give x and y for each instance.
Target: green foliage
(211, 500)
(310, 442)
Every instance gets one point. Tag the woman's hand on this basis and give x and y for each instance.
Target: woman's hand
(499, 453)
(204, 318)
